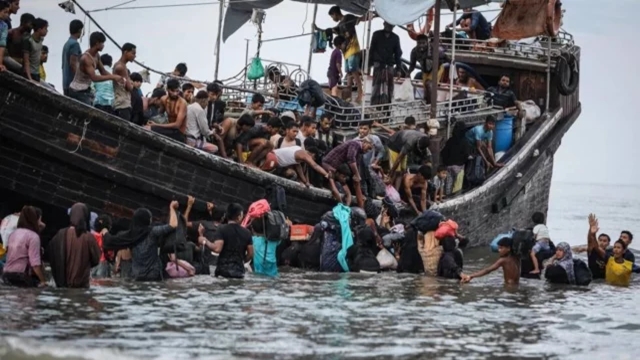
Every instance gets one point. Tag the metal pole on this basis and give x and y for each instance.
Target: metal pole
(452, 68)
(436, 63)
(246, 61)
(548, 73)
(255, 82)
(219, 40)
(365, 73)
(315, 13)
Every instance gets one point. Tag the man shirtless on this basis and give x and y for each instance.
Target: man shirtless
(176, 109)
(509, 262)
(467, 81)
(413, 182)
(285, 159)
(122, 92)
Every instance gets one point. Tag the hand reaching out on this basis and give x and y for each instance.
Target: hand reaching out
(593, 224)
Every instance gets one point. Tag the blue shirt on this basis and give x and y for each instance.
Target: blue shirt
(104, 91)
(478, 133)
(71, 47)
(4, 32)
(479, 24)
(265, 266)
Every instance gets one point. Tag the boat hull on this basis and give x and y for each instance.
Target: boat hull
(58, 151)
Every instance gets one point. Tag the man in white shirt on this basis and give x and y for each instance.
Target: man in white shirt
(197, 125)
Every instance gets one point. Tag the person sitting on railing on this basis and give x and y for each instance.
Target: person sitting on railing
(290, 137)
(284, 88)
(481, 136)
(386, 53)
(502, 95)
(477, 25)
(348, 153)
(252, 143)
(197, 127)
(216, 106)
(308, 129)
(153, 107)
(416, 186)
(404, 144)
(275, 126)
(256, 109)
(16, 40)
(179, 71)
(176, 109)
(465, 80)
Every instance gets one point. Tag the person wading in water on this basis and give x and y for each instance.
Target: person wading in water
(509, 262)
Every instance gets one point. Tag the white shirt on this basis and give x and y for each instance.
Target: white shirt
(197, 125)
(7, 226)
(541, 231)
(286, 156)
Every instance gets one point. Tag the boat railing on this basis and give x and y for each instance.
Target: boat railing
(538, 49)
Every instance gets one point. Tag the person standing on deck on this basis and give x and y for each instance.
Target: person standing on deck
(32, 50)
(14, 6)
(334, 74)
(347, 29)
(4, 33)
(137, 104)
(385, 53)
(122, 91)
(80, 87)
(71, 53)
(176, 109)
(44, 56)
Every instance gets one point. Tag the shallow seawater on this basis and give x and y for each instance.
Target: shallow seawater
(321, 316)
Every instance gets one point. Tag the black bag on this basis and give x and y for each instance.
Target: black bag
(427, 221)
(475, 171)
(582, 273)
(310, 93)
(522, 243)
(277, 198)
(275, 226)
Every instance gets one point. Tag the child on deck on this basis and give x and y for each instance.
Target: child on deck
(439, 181)
(509, 262)
(541, 236)
(335, 65)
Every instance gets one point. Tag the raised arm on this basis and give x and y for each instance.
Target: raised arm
(592, 241)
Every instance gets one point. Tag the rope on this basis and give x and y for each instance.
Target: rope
(118, 7)
(106, 34)
(84, 132)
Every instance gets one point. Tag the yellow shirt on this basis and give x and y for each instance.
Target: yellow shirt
(353, 48)
(43, 74)
(618, 274)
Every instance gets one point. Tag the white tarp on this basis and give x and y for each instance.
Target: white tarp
(402, 12)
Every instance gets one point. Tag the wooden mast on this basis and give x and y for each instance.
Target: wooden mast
(436, 65)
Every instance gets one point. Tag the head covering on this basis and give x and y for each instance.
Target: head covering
(28, 219)
(80, 218)
(138, 232)
(567, 261)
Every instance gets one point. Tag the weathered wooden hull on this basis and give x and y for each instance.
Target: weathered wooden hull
(120, 167)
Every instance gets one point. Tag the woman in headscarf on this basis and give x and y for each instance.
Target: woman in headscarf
(24, 265)
(454, 156)
(450, 264)
(362, 254)
(74, 250)
(561, 271)
(144, 241)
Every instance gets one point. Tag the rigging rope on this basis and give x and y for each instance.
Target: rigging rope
(118, 7)
(106, 34)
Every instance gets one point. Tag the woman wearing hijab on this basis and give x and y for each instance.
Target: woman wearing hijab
(24, 265)
(74, 250)
(450, 264)
(144, 241)
(363, 252)
(454, 156)
(561, 270)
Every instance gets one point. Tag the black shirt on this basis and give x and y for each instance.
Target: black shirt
(231, 260)
(505, 98)
(597, 265)
(256, 132)
(423, 57)
(348, 24)
(385, 49)
(215, 112)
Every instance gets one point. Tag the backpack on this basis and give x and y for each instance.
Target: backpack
(311, 94)
(427, 221)
(475, 171)
(582, 273)
(522, 243)
(275, 226)
(276, 198)
(281, 140)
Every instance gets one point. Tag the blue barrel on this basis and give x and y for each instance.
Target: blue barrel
(504, 134)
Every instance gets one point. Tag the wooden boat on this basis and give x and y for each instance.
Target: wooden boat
(58, 151)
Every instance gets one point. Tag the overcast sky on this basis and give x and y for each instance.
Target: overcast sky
(598, 149)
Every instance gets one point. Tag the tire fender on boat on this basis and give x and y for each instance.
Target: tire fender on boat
(567, 73)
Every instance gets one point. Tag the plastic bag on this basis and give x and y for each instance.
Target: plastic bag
(404, 92)
(256, 70)
(386, 260)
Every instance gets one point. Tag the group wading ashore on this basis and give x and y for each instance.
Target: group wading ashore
(287, 171)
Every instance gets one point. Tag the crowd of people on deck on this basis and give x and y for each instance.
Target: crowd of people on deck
(261, 239)
(394, 163)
